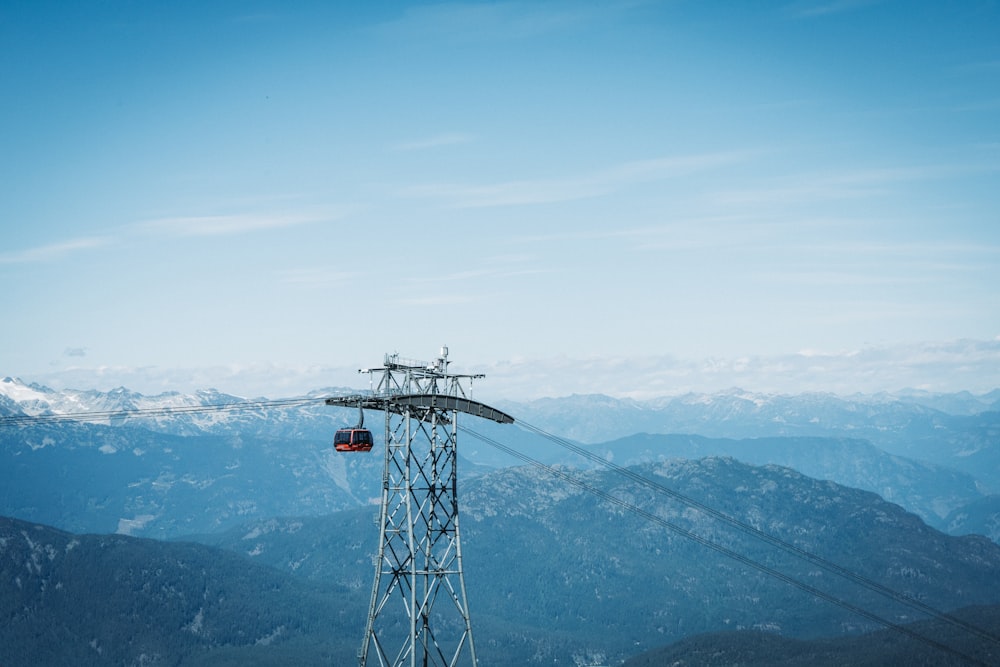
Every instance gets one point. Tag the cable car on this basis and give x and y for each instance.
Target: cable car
(354, 439)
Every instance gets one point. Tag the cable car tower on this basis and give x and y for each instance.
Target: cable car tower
(419, 561)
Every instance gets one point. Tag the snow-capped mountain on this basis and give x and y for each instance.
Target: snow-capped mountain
(205, 412)
(904, 425)
(148, 462)
(35, 399)
(170, 468)
(897, 423)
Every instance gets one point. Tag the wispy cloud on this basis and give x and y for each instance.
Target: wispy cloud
(945, 366)
(215, 225)
(842, 278)
(224, 225)
(682, 233)
(54, 251)
(848, 184)
(458, 287)
(181, 226)
(984, 105)
(582, 186)
(435, 141)
(815, 8)
(257, 17)
(436, 300)
(316, 277)
(478, 274)
(493, 21)
(511, 193)
(962, 252)
(941, 366)
(978, 67)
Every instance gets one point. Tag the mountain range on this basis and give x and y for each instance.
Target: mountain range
(886, 647)
(83, 600)
(586, 556)
(913, 425)
(555, 572)
(179, 470)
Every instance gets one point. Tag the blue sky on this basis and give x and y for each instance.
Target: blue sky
(636, 198)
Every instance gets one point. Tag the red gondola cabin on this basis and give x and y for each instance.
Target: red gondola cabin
(353, 440)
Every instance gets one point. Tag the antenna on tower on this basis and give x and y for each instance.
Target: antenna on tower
(420, 555)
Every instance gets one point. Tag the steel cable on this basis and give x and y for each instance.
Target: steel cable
(815, 559)
(604, 495)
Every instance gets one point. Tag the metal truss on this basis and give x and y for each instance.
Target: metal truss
(419, 612)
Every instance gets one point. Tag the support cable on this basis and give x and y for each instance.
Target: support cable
(604, 495)
(773, 540)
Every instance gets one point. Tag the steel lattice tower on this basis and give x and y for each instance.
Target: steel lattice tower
(419, 612)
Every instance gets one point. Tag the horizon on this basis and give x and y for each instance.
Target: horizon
(863, 372)
(632, 199)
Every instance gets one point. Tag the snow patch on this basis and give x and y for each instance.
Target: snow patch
(264, 641)
(16, 390)
(126, 526)
(47, 441)
(335, 466)
(195, 626)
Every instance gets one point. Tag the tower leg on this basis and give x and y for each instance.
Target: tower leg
(419, 556)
